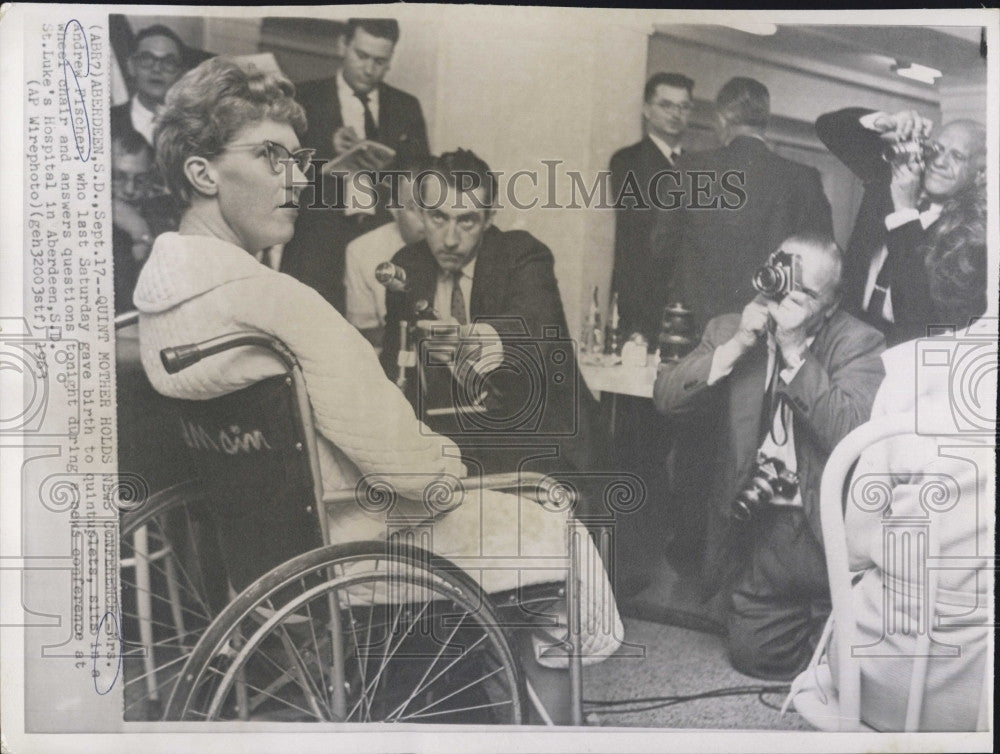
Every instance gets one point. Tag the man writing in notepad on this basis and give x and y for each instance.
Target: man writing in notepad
(352, 107)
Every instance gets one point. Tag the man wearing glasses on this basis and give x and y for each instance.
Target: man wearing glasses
(489, 296)
(912, 182)
(666, 108)
(156, 62)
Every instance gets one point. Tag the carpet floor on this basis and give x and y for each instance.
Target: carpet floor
(661, 660)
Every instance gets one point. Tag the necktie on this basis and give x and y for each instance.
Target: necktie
(458, 300)
(371, 130)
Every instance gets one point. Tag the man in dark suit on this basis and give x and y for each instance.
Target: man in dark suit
(497, 301)
(353, 106)
(739, 202)
(794, 376)
(885, 279)
(666, 109)
(154, 64)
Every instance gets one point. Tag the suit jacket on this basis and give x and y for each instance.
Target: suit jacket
(400, 121)
(706, 257)
(121, 119)
(831, 394)
(315, 255)
(633, 168)
(514, 289)
(860, 149)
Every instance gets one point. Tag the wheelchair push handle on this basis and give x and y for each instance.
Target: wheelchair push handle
(178, 358)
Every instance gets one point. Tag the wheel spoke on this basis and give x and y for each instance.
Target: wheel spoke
(412, 645)
(456, 710)
(420, 687)
(453, 693)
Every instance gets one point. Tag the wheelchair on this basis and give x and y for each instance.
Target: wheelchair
(265, 620)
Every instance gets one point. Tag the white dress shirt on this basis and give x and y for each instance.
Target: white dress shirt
(780, 441)
(669, 152)
(352, 113)
(445, 284)
(491, 354)
(365, 295)
(892, 221)
(143, 120)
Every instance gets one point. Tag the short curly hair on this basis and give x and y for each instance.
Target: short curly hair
(208, 106)
(955, 257)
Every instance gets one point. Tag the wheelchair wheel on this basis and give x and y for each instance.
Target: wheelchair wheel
(172, 589)
(361, 632)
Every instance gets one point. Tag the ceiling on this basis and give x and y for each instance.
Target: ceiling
(869, 51)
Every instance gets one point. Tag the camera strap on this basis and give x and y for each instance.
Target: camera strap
(774, 402)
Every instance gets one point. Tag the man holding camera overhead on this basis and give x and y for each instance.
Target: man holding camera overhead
(912, 182)
(796, 374)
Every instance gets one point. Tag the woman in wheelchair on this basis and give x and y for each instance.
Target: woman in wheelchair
(228, 144)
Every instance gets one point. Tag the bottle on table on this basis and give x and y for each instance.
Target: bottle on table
(592, 336)
(676, 333)
(612, 337)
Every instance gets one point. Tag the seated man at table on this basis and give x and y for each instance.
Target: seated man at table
(365, 297)
(499, 317)
(792, 375)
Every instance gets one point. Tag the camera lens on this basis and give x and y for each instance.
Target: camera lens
(769, 280)
(750, 498)
(931, 152)
(742, 511)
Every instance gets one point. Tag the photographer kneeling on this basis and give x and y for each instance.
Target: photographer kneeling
(793, 374)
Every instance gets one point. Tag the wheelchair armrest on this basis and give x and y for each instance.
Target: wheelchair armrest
(126, 319)
(178, 358)
(534, 485)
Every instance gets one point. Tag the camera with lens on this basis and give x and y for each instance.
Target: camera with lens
(769, 479)
(918, 151)
(781, 275)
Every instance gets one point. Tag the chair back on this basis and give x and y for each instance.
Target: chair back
(913, 549)
(251, 452)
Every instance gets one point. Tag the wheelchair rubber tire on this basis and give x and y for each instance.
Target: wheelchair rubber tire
(185, 596)
(226, 644)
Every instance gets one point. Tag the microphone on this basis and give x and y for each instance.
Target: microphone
(423, 310)
(392, 276)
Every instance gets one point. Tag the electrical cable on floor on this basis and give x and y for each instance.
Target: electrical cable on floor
(608, 706)
(762, 700)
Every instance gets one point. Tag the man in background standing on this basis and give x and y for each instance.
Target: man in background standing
(709, 247)
(665, 111)
(353, 106)
(641, 446)
(156, 62)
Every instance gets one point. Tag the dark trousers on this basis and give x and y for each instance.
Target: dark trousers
(781, 599)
